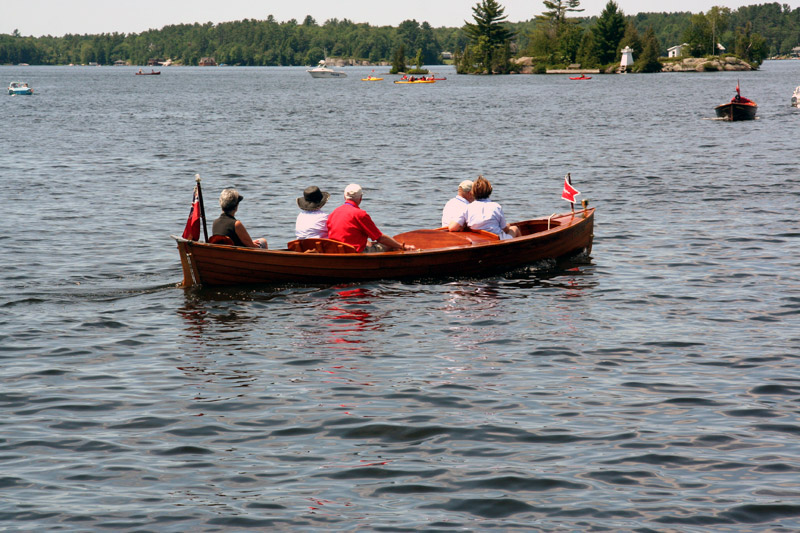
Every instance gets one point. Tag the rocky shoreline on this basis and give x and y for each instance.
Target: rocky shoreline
(705, 64)
(689, 64)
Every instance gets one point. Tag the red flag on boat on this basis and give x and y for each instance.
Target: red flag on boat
(192, 230)
(569, 193)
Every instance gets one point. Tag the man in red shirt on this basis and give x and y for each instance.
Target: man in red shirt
(350, 224)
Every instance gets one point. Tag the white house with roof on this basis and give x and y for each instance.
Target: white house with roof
(677, 50)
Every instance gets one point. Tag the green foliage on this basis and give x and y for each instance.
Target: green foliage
(587, 51)
(489, 49)
(399, 61)
(648, 61)
(483, 45)
(556, 11)
(556, 37)
(631, 38)
(608, 32)
(244, 42)
(418, 63)
(718, 18)
(750, 46)
(698, 36)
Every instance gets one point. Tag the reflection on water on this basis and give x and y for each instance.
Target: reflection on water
(349, 314)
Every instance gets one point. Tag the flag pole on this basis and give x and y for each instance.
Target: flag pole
(202, 209)
(569, 181)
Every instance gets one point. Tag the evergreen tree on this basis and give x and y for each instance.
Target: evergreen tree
(399, 61)
(632, 39)
(557, 38)
(608, 32)
(648, 60)
(556, 11)
(489, 38)
(587, 51)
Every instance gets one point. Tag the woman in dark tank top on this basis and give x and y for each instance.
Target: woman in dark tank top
(227, 225)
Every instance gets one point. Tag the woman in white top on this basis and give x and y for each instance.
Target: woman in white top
(312, 223)
(483, 214)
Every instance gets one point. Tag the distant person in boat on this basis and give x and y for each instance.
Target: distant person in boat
(312, 222)
(228, 226)
(483, 214)
(350, 224)
(455, 208)
(739, 99)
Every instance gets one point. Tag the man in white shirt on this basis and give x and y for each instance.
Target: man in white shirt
(312, 222)
(455, 207)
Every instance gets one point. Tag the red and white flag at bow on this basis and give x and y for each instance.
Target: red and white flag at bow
(569, 193)
(192, 230)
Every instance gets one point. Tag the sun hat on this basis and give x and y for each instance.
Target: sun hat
(313, 198)
(352, 191)
(465, 185)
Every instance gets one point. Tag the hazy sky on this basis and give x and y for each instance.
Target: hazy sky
(59, 17)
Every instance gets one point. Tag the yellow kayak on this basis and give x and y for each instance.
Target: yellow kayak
(370, 78)
(416, 81)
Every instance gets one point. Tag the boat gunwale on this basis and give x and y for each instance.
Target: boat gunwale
(584, 215)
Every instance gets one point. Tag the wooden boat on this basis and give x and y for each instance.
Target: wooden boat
(581, 77)
(739, 108)
(439, 254)
(151, 73)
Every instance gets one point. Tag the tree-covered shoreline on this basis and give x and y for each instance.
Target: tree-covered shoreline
(559, 34)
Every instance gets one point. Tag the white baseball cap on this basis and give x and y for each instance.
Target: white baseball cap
(352, 191)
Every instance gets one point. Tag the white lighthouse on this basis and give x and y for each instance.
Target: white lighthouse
(627, 59)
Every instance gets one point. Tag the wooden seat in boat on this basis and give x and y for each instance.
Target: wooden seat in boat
(220, 239)
(320, 246)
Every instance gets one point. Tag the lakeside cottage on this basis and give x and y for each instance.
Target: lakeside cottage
(677, 50)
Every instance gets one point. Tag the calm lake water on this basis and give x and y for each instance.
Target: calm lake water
(654, 386)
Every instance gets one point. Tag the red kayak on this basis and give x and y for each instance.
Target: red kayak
(581, 77)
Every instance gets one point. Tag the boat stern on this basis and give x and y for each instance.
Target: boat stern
(190, 274)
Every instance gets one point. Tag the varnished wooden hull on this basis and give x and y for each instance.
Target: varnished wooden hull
(213, 265)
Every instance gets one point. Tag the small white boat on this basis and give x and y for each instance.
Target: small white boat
(796, 97)
(325, 72)
(19, 87)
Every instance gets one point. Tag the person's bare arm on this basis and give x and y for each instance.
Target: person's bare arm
(392, 244)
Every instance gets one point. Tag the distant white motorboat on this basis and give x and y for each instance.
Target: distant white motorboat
(796, 97)
(19, 87)
(325, 72)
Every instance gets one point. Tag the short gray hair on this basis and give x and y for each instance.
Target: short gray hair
(229, 199)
